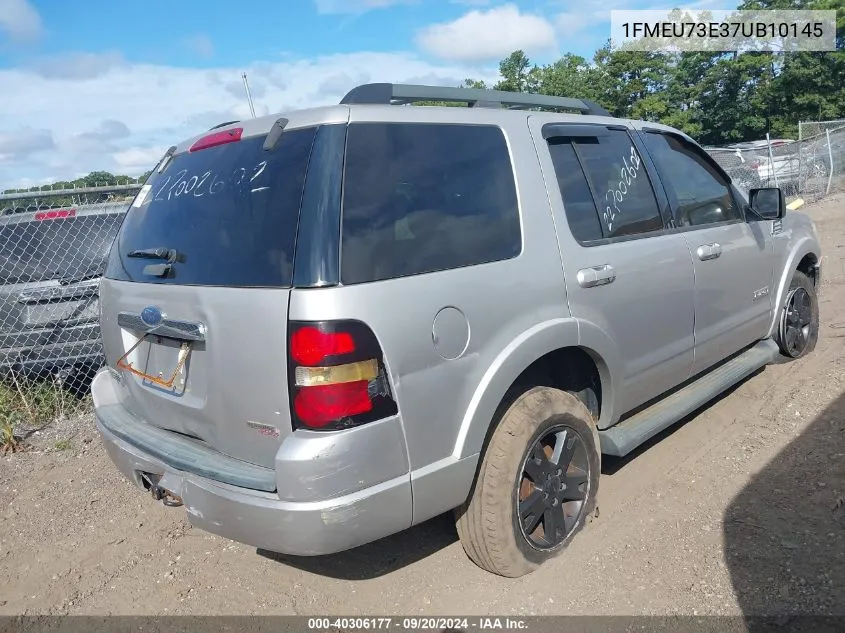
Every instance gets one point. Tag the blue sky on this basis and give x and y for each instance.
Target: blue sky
(99, 84)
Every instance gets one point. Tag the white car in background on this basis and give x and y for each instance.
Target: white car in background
(790, 165)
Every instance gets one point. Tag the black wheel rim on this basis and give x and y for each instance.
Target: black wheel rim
(796, 329)
(553, 487)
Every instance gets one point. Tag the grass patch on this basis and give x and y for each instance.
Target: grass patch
(32, 404)
(63, 445)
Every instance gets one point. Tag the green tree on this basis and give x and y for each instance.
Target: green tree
(518, 74)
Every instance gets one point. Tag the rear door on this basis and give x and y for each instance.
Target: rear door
(200, 275)
(732, 258)
(624, 273)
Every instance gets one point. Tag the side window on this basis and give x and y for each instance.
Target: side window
(422, 197)
(698, 192)
(581, 211)
(625, 198)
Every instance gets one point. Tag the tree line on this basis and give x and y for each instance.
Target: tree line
(94, 179)
(715, 97)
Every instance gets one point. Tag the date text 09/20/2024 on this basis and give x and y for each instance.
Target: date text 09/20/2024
(416, 623)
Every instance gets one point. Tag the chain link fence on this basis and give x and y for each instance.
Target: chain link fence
(807, 129)
(51, 259)
(810, 169)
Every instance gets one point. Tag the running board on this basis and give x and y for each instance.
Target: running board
(621, 439)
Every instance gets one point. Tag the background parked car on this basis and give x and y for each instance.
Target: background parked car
(50, 267)
(790, 165)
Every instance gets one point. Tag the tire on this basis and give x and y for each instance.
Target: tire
(489, 525)
(798, 323)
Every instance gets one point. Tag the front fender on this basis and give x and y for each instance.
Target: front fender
(797, 249)
(514, 359)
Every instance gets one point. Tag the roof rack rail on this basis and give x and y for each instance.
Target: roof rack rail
(405, 94)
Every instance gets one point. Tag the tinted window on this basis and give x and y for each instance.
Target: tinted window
(581, 212)
(230, 212)
(72, 248)
(426, 197)
(698, 192)
(626, 200)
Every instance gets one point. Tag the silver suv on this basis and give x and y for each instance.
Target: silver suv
(326, 327)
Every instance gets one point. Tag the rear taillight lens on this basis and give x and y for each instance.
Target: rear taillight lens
(321, 405)
(55, 214)
(337, 375)
(309, 345)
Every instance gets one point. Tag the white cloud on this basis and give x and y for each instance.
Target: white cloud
(200, 45)
(137, 160)
(20, 21)
(356, 6)
(124, 116)
(488, 35)
(24, 143)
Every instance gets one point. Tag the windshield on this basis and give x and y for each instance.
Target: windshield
(222, 216)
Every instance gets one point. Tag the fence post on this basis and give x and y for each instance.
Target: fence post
(771, 159)
(801, 184)
(830, 156)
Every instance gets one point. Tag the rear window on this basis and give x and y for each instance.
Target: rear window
(64, 248)
(229, 213)
(420, 198)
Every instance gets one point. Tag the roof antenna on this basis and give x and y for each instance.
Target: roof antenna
(248, 95)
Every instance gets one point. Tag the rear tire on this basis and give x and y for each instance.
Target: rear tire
(798, 323)
(537, 484)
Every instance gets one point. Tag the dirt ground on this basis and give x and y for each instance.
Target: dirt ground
(738, 510)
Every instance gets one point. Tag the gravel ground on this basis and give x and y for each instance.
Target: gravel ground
(739, 510)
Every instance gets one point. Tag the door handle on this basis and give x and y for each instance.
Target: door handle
(708, 251)
(596, 276)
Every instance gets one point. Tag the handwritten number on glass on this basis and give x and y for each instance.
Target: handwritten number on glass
(207, 183)
(614, 196)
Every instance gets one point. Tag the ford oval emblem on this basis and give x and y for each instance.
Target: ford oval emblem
(152, 316)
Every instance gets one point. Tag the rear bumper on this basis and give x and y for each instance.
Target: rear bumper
(43, 350)
(363, 512)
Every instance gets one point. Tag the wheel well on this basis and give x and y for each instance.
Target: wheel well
(808, 266)
(569, 369)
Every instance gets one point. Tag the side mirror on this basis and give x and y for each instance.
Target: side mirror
(768, 203)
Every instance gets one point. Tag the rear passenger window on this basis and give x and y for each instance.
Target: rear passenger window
(625, 198)
(422, 197)
(581, 211)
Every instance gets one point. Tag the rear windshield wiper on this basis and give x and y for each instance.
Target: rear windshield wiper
(158, 270)
(170, 254)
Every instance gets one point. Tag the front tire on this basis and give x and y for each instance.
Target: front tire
(536, 486)
(798, 325)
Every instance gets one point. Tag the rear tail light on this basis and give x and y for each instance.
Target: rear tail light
(55, 214)
(337, 376)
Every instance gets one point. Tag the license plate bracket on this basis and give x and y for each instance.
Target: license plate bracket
(185, 349)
